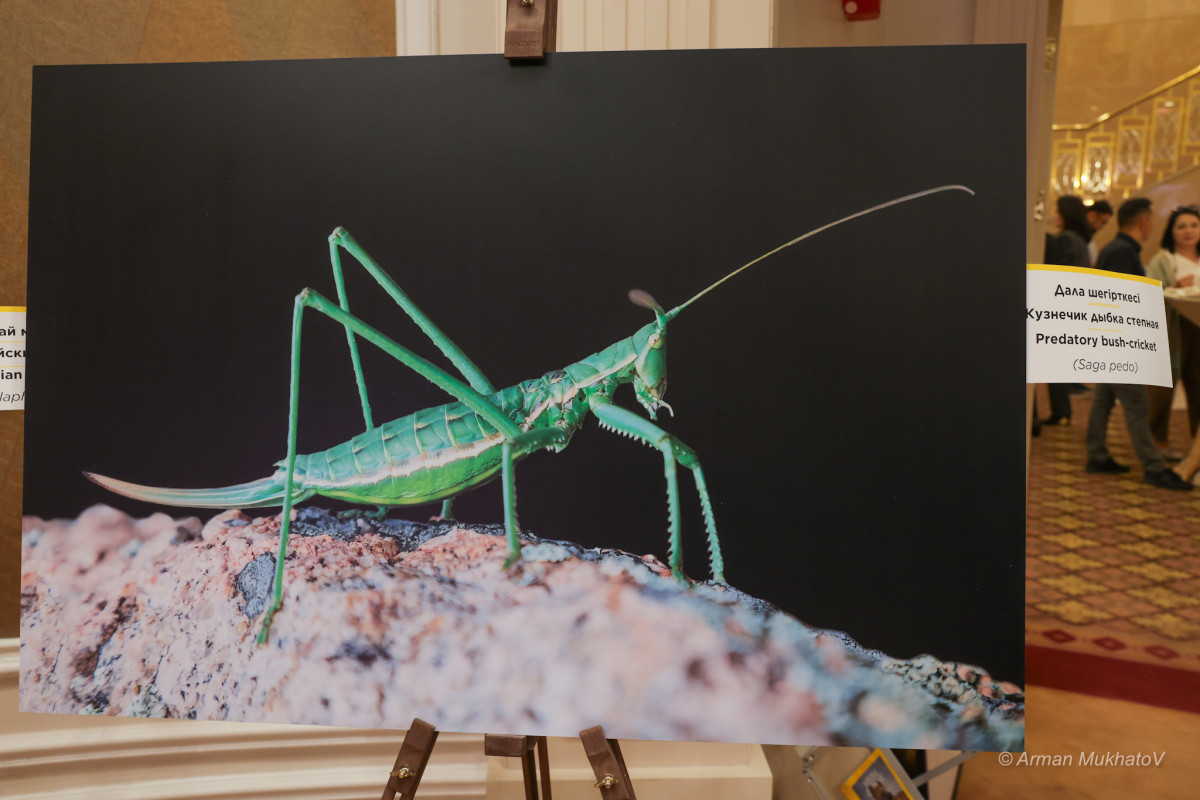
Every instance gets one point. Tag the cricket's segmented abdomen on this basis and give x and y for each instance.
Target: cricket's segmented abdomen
(430, 455)
(427, 456)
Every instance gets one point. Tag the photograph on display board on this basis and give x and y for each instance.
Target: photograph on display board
(350, 394)
(877, 778)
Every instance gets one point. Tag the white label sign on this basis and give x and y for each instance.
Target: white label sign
(12, 358)
(1087, 325)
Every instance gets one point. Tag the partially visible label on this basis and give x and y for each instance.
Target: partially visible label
(1087, 325)
(12, 358)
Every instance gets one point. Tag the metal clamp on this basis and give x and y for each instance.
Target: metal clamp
(607, 782)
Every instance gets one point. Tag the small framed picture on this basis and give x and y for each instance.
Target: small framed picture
(878, 778)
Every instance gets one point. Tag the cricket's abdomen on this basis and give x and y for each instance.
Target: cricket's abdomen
(427, 456)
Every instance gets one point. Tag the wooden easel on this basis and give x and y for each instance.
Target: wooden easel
(612, 778)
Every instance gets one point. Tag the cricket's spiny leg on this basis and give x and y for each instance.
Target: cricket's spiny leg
(715, 561)
(448, 508)
(439, 377)
(674, 451)
(674, 521)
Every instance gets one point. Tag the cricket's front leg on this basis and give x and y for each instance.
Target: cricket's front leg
(674, 451)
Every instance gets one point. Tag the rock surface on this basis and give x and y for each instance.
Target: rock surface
(384, 621)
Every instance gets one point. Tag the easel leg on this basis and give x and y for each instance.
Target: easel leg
(414, 754)
(544, 765)
(522, 747)
(529, 773)
(612, 778)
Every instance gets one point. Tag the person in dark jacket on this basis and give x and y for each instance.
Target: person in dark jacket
(1098, 215)
(1123, 254)
(1135, 220)
(1069, 249)
(1074, 232)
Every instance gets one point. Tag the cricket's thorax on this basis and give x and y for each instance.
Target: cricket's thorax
(443, 451)
(560, 398)
(553, 401)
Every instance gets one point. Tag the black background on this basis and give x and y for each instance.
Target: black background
(857, 400)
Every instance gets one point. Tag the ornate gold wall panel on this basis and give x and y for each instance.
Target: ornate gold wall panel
(1191, 120)
(1098, 151)
(1131, 152)
(1066, 163)
(1152, 140)
(1164, 132)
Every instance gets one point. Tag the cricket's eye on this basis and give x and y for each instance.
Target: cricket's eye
(654, 340)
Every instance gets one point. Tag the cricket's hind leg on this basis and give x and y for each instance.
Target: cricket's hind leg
(439, 377)
(341, 239)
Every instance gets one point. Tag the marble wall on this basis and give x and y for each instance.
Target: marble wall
(1112, 52)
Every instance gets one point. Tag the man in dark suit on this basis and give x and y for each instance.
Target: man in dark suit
(1098, 215)
(1123, 254)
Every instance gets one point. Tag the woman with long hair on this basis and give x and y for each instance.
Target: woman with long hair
(1177, 264)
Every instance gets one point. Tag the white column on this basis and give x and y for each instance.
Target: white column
(417, 27)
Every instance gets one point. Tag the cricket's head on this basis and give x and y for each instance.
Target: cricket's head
(650, 367)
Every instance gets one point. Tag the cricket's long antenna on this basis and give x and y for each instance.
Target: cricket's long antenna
(675, 311)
